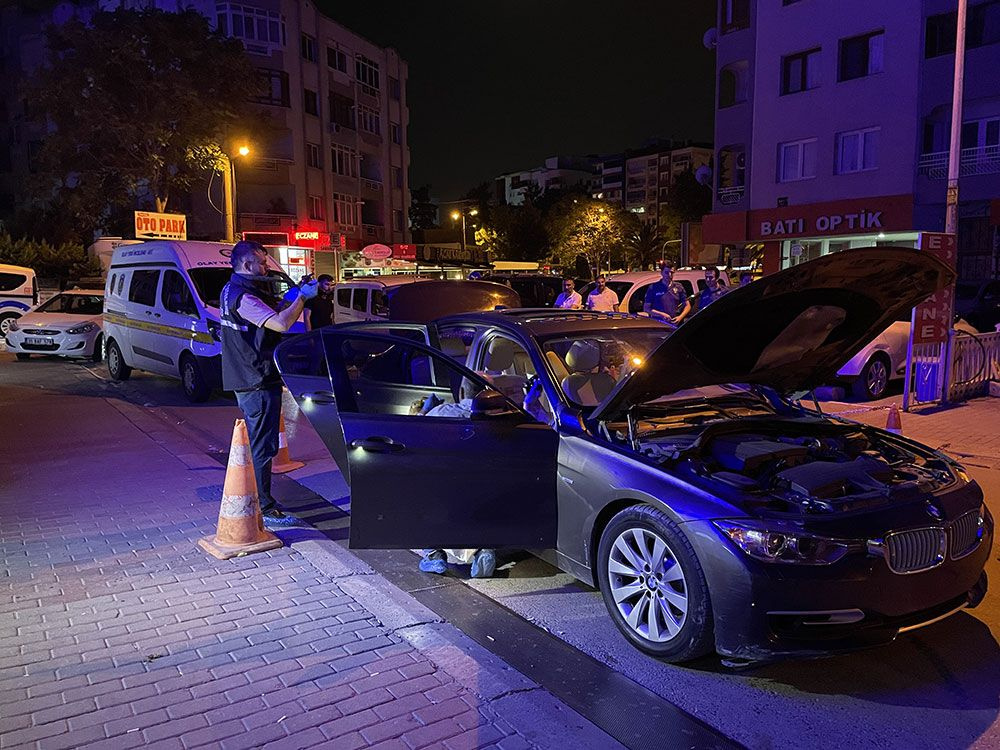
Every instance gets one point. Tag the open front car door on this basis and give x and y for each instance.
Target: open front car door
(433, 455)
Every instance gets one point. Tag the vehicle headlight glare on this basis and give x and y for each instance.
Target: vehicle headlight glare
(85, 328)
(776, 545)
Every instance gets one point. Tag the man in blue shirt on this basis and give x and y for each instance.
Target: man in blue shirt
(666, 299)
(713, 289)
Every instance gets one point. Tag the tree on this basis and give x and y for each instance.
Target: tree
(63, 261)
(687, 200)
(587, 229)
(644, 243)
(423, 211)
(139, 105)
(515, 233)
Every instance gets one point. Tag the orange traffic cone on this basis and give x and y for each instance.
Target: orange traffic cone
(894, 424)
(241, 526)
(283, 463)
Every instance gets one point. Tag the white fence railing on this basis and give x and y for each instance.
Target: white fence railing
(975, 361)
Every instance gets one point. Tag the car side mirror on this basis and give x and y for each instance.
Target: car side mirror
(488, 404)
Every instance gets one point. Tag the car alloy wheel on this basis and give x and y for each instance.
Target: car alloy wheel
(5, 321)
(873, 380)
(653, 585)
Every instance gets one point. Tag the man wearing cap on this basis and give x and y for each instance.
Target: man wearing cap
(666, 299)
(252, 323)
(601, 298)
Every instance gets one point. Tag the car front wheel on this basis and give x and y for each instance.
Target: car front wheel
(873, 381)
(653, 585)
(117, 368)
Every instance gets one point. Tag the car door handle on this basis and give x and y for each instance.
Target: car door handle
(320, 397)
(378, 444)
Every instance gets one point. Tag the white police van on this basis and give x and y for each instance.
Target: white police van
(161, 311)
(18, 294)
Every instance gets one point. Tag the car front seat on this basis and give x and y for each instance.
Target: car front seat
(583, 385)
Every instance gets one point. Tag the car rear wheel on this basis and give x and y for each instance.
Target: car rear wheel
(98, 354)
(117, 368)
(195, 387)
(653, 585)
(873, 381)
(5, 320)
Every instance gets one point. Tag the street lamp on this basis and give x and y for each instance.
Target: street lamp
(229, 191)
(456, 215)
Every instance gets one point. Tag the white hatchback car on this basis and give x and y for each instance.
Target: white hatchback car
(67, 325)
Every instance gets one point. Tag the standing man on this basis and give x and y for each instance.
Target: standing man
(319, 310)
(569, 299)
(713, 289)
(666, 299)
(601, 298)
(252, 324)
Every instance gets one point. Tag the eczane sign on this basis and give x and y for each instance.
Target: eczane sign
(932, 317)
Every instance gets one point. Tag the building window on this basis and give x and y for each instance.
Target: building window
(734, 15)
(308, 47)
(275, 88)
(797, 160)
(981, 133)
(800, 72)
(369, 120)
(395, 132)
(341, 111)
(982, 27)
(344, 161)
(313, 156)
(345, 210)
(397, 220)
(315, 207)
(259, 29)
(733, 84)
(861, 56)
(857, 150)
(310, 102)
(397, 176)
(983, 24)
(366, 71)
(336, 59)
(395, 90)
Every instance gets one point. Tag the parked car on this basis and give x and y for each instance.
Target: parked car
(67, 325)
(675, 473)
(18, 294)
(535, 289)
(386, 297)
(631, 287)
(979, 304)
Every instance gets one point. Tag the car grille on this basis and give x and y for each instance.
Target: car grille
(40, 347)
(915, 550)
(966, 532)
(39, 332)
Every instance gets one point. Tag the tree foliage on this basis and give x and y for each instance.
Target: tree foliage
(687, 200)
(644, 245)
(587, 229)
(138, 104)
(63, 261)
(423, 211)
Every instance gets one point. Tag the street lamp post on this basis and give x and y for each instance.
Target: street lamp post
(229, 192)
(456, 215)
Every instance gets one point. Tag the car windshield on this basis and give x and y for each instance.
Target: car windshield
(587, 364)
(208, 282)
(74, 304)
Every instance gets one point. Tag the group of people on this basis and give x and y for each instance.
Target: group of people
(665, 299)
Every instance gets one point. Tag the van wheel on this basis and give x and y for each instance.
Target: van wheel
(5, 321)
(195, 387)
(98, 354)
(117, 368)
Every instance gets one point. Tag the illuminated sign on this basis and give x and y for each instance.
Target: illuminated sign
(149, 225)
(932, 315)
(376, 252)
(307, 235)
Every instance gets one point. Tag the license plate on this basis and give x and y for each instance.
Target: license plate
(33, 341)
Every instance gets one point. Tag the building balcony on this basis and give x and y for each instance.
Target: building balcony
(973, 161)
(262, 221)
(373, 231)
(374, 186)
(729, 196)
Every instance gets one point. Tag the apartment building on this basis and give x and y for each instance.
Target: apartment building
(332, 172)
(558, 173)
(832, 127)
(650, 174)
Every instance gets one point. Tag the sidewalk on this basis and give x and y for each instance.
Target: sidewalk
(117, 631)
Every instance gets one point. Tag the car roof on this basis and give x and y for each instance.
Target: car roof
(546, 321)
(93, 292)
(389, 280)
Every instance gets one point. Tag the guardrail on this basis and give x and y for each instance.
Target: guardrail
(975, 361)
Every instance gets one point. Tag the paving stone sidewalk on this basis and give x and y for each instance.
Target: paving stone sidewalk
(117, 631)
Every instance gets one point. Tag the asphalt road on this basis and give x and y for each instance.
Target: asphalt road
(938, 687)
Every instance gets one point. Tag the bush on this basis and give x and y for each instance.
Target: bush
(65, 262)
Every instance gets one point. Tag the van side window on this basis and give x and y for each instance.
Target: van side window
(176, 294)
(142, 290)
(344, 297)
(121, 282)
(11, 281)
(360, 300)
(380, 303)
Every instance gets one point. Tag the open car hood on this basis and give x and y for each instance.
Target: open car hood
(791, 330)
(424, 301)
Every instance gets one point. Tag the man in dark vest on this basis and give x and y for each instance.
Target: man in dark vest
(252, 324)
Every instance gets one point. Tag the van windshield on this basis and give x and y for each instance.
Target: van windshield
(208, 282)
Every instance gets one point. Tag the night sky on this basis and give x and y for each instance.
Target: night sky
(498, 86)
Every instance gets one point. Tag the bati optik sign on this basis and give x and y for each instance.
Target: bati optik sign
(153, 226)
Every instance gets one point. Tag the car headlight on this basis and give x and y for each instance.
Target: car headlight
(85, 328)
(773, 544)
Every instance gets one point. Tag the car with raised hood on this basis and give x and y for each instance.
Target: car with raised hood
(66, 325)
(680, 474)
